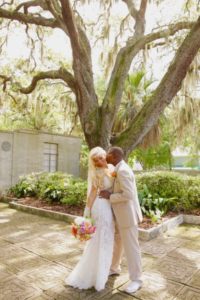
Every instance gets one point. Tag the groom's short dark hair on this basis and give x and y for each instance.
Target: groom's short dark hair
(117, 151)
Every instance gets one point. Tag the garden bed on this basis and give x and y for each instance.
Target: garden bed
(147, 229)
(165, 198)
(78, 210)
(63, 208)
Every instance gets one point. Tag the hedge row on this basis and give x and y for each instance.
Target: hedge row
(158, 191)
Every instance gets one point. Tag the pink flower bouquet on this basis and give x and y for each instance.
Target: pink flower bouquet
(83, 228)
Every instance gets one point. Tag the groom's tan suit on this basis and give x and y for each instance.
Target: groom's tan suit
(127, 212)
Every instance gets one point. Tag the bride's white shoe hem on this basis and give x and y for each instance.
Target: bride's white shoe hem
(81, 287)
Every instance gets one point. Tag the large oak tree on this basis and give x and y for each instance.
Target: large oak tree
(97, 117)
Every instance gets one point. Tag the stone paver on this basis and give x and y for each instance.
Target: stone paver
(37, 253)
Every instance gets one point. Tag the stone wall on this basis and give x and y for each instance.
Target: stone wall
(22, 152)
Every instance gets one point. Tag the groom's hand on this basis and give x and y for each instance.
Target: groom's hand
(105, 194)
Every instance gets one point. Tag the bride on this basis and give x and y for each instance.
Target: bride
(93, 268)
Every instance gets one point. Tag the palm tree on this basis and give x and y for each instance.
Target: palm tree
(137, 91)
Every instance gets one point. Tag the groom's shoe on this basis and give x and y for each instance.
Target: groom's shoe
(133, 286)
(114, 273)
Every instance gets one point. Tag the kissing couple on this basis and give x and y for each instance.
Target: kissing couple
(112, 202)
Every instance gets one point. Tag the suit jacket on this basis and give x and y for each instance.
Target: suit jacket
(124, 199)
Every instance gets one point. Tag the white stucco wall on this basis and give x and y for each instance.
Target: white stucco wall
(6, 140)
(26, 154)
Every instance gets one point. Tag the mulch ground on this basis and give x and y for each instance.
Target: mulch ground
(78, 211)
(64, 208)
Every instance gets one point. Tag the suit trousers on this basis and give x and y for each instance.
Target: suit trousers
(127, 239)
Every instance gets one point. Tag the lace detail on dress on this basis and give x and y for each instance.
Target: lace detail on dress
(93, 268)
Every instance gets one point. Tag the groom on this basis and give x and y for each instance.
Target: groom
(127, 214)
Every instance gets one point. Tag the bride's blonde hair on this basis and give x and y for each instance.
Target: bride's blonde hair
(94, 175)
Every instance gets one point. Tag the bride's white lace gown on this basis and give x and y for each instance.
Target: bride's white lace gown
(93, 268)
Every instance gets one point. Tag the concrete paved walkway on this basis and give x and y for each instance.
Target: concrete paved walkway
(37, 253)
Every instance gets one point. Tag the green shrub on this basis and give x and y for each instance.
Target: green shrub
(159, 191)
(75, 194)
(164, 184)
(52, 186)
(182, 191)
(26, 187)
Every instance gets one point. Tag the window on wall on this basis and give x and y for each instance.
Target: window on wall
(50, 157)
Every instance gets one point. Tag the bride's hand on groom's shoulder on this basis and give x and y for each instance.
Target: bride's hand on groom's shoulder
(105, 194)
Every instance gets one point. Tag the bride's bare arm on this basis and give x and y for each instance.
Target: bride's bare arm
(91, 197)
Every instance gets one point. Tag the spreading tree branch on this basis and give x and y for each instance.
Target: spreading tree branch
(29, 18)
(5, 80)
(143, 7)
(138, 15)
(69, 20)
(122, 65)
(170, 31)
(55, 9)
(28, 4)
(140, 19)
(7, 3)
(54, 74)
(82, 65)
(163, 95)
(131, 7)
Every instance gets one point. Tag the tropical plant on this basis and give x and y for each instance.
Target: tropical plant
(154, 206)
(153, 157)
(172, 185)
(136, 93)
